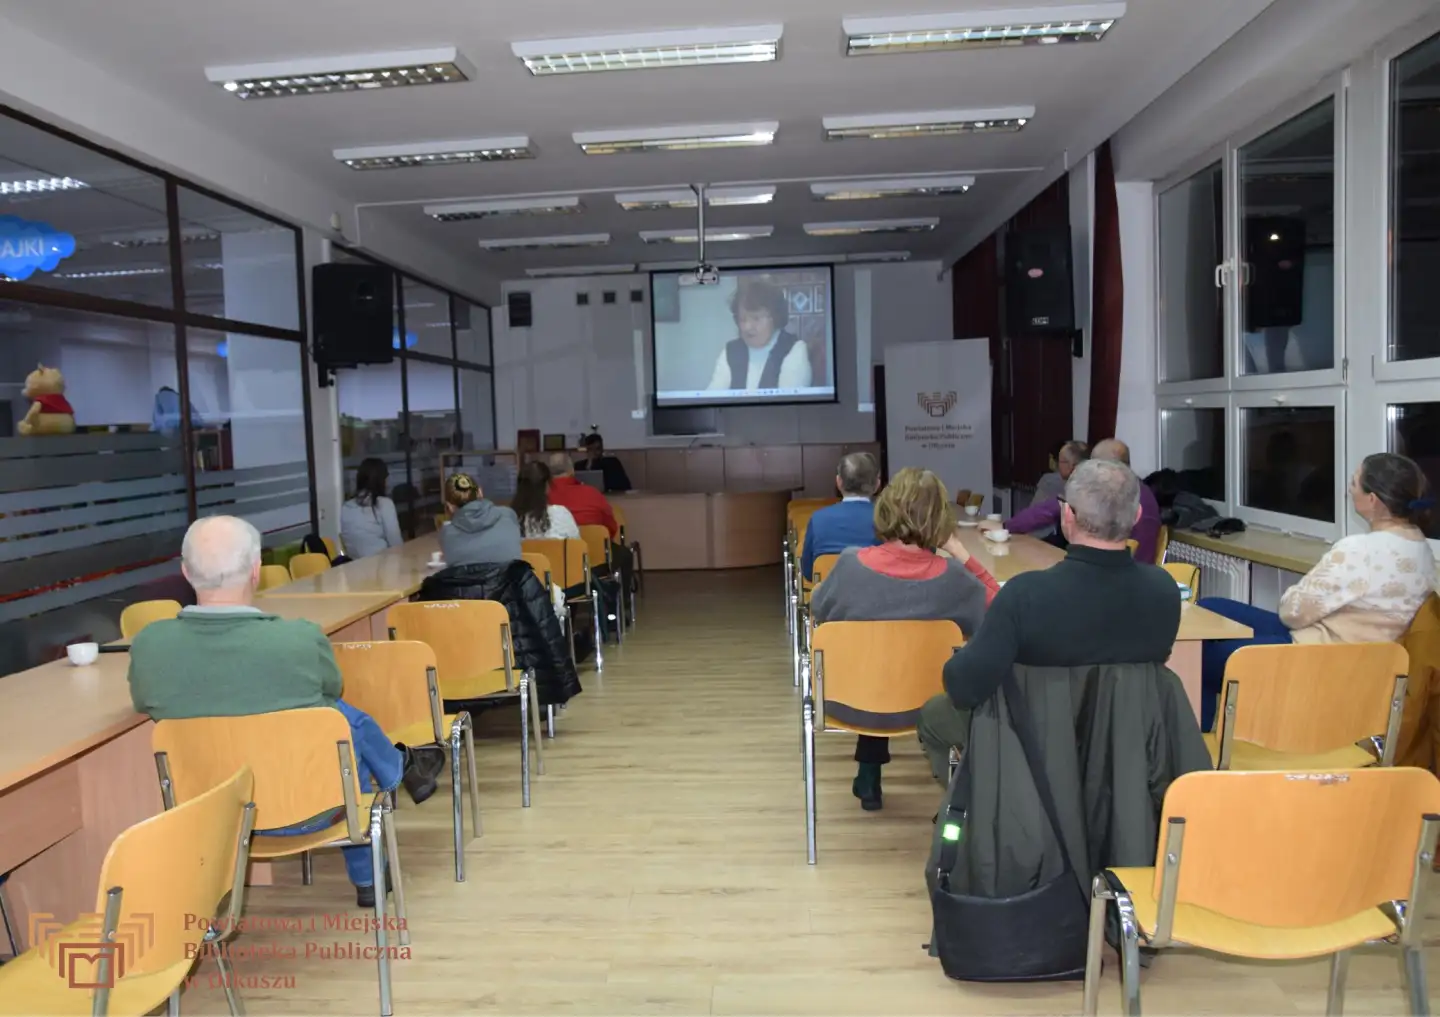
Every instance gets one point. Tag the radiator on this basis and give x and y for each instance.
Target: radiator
(1221, 575)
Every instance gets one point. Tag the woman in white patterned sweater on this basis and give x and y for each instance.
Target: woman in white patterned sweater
(1366, 588)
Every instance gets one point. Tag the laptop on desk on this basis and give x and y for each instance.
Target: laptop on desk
(595, 478)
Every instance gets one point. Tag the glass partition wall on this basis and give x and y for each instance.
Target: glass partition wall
(152, 370)
(436, 396)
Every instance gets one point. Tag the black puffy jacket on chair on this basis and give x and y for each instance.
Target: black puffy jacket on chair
(534, 630)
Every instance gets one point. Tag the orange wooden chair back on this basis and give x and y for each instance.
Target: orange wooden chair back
(872, 677)
(1312, 698)
(1297, 850)
(569, 555)
(388, 681)
(272, 576)
(468, 637)
(308, 564)
(597, 543)
(540, 565)
(138, 615)
(292, 754)
(821, 568)
(1420, 728)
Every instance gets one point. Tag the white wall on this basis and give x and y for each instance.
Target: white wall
(1137, 420)
(581, 367)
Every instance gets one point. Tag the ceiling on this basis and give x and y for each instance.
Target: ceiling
(163, 47)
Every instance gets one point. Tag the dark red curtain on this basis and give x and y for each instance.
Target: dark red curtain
(1107, 303)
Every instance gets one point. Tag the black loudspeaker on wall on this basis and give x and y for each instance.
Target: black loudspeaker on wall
(354, 315)
(517, 307)
(1275, 253)
(1039, 296)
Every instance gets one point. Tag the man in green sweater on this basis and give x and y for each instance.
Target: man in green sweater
(224, 657)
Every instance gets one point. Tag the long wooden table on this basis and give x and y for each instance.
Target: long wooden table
(76, 766)
(1022, 553)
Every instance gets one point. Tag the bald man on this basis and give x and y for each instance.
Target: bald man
(1045, 515)
(225, 657)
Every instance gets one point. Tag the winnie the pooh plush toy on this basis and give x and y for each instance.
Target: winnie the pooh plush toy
(50, 411)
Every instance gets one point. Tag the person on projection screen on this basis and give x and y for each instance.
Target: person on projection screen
(764, 355)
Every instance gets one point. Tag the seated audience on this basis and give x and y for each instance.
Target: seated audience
(1046, 515)
(539, 518)
(1051, 486)
(1099, 605)
(588, 507)
(902, 579)
(478, 531)
(1366, 588)
(224, 657)
(852, 522)
(368, 524)
(617, 481)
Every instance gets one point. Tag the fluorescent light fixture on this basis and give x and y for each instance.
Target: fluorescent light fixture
(878, 256)
(636, 201)
(677, 139)
(41, 185)
(978, 29)
(855, 229)
(160, 238)
(713, 235)
(551, 273)
(895, 187)
(461, 211)
(111, 273)
(795, 259)
(556, 243)
(355, 72)
(693, 47)
(435, 153)
(926, 125)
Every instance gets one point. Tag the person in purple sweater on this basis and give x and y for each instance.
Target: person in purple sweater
(1046, 514)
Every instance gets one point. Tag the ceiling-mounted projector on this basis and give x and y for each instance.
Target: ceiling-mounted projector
(704, 275)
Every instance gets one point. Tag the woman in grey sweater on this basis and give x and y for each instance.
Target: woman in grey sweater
(904, 579)
(478, 531)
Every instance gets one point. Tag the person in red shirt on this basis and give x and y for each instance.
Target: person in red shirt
(585, 503)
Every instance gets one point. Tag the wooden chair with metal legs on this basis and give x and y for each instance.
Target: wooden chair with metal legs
(136, 616)
(819, 569)
(1185, 573)
(800, 588)
(976, 499)
(332, 547)
(308, 564)
(540, 565)
(162, 884)
(272, 576)
(1132, 545)
(1278, 866)
(1420, 727)
(870, 678)
(1307, 707)
(962, 497)
(571, 561)
(637, 586)
(305, 773)
(474, 659)
(397, 684)
(1162, 545)
(597, 546)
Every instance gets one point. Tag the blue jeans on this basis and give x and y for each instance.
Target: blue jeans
(377, 761)
(1215, 653)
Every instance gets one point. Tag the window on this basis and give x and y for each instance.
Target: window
(477, 413)
(472, 332)
(1287, 208)
(427, 320)
(1413, 429)
(1415, 210)
(76, 220)
(248, 415)
(1192, 232)
(431, 429)
(1193, 445)
(1288, 464)
(237, 265)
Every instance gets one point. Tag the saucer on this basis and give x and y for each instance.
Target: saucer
(968, 523)
(434, 564)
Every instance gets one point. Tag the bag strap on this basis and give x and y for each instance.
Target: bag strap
(952, 829)
(1024, 727)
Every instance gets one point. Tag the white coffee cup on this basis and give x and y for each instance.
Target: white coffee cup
(82, 654)
(993, 517)
(972, 510)
(437, 558)
(1000, 536)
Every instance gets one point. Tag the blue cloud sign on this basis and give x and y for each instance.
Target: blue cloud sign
(27, 247)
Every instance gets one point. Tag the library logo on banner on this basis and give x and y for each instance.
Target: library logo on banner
(937, 404)
(27, 247)
(82, 955)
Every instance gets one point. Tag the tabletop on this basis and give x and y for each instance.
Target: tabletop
(399, 570)
(331, 611)
(1023, 553)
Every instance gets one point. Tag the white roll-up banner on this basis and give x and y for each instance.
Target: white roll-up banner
(937, 407)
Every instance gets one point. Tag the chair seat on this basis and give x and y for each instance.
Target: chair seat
(1207, 930)
(271, 846)
(422, 732)
(1252, 757)
(34, 985)
(486, 683)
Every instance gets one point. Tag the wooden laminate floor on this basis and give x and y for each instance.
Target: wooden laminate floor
(661, 869)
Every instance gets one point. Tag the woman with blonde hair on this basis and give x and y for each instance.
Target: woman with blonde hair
(903, 578)
(478, 530)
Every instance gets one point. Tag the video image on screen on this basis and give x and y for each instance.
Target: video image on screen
(760, 336)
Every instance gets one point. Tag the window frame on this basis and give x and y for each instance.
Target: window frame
(1333, 397)
(1200, 401)
(1189, 170)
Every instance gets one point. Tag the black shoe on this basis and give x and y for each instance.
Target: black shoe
(418, 778)
(867, 787)
(365, 897)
